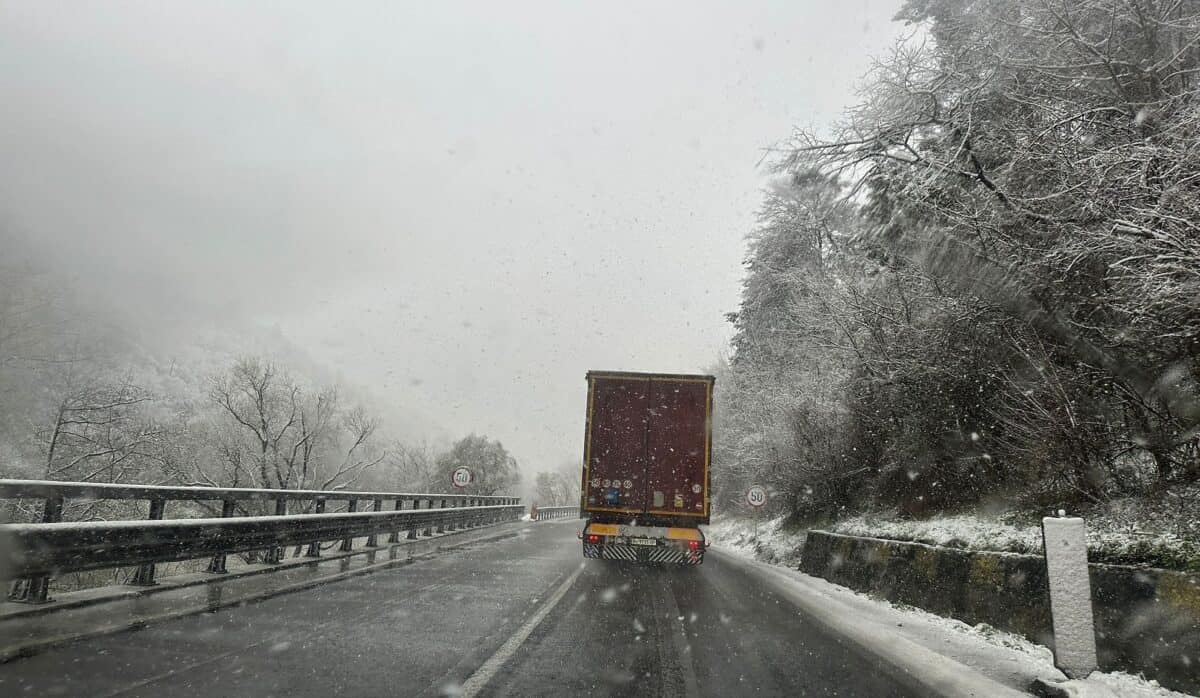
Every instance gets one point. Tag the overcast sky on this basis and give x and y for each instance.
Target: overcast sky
(461, 206)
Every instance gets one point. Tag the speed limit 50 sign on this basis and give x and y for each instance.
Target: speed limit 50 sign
(756, 496)
(461, 477)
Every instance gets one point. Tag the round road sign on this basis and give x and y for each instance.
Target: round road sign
(461, 477)
(756, 496)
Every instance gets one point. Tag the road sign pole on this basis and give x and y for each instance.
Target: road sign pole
(756, 497)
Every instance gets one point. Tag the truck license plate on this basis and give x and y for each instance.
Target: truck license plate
(643, 541)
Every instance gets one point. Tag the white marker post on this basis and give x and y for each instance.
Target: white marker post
(1065, 542)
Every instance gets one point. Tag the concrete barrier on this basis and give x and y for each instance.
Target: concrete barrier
(1147, 620)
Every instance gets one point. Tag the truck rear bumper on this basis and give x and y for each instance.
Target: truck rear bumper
(651, 544)
(638, 553)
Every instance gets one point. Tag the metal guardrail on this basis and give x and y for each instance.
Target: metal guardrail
(36, 551)
(44, 489)
(563, 512)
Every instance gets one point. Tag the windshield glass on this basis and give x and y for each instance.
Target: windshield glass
(538, 348)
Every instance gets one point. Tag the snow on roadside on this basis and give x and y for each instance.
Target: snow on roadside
(767, 542)
(1110, 537)
(1117, 684)
(961, 531)
(1004, 656)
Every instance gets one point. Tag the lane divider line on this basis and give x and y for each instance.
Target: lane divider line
(477, 681)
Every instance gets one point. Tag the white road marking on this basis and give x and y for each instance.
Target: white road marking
(473, 685)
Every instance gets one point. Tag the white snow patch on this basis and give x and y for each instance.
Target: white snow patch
(766, 541)
(964, 531)
(1119, 530)
(1118, 683)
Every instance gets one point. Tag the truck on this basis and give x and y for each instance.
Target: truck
(646, 454)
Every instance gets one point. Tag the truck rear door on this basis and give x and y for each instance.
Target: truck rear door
(647, 448)
(677, 447)
(616, 480)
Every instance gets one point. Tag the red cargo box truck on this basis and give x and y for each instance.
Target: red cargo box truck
(645, 466)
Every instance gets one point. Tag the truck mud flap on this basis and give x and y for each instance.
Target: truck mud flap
(637, 553)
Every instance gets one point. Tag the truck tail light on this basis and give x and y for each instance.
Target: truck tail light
(593, 538)
(693, 545)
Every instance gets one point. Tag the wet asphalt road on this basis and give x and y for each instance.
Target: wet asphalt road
(523, 616)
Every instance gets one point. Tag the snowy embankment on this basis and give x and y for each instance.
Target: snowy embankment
(1112, 539)
(1004, 656)
(763, 540)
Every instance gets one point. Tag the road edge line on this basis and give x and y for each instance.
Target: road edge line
(486, 671)
(913, 664)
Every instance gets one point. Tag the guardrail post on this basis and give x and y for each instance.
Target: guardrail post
(429, 527)
(144, 576)
(217, 564)
(37, 589)
(452, 524)
(348, 543)
(274, 555)
(441, 527)
(314, 548)
(412, 531)
(395, 535)
(372, 541)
